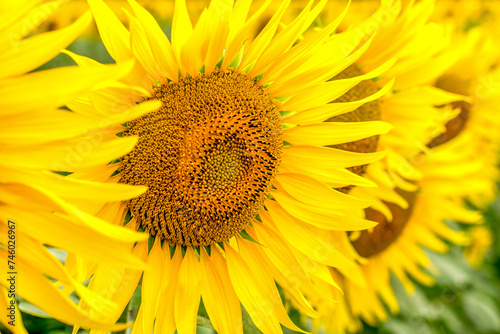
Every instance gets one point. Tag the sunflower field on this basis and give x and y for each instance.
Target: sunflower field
(239, 166)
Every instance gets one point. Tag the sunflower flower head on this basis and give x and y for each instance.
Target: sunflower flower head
(244, 175)
(205, 184)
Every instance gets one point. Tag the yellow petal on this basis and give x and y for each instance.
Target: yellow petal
(256, 291)
(257, 257)
(314, 193)
(113, 34)
(220, 299)
(166, 321)
(262, 40)
(17, 326)
(322, 218)
(322, 113)
(188, 293)
(37, 50)
(285, 39)
(54, 87)
(324, 157)
(116, 284)
(151, 284)
(71, 188)
(282, 257)
(59, 231)
(151, 46)
(68, 157)
(333, 133)
(182, 29)
(37, 289)
(307, 239)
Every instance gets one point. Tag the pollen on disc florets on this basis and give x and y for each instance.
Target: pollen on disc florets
(208, 156)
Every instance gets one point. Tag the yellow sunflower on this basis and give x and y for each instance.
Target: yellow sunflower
(240, 192)
(37, 206)
(409, 210)
(477, 126)
(474, 133)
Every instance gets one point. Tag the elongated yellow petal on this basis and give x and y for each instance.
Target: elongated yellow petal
(324, 112)
(59, 232)
(285, 39)
(305, 238)
(30, 53)
(282, 257)
(68, 157)
(220, 299)
(39, 199)
(41, 259)
(54, 87)
(327, 157)
(116, 284)
(256, 292)
(299, 54)
(241, 31)
(262, 40)
(332, 177)
(71, 188)
(161, 50)
(322, 218)
(37, 289)
(314, 193)
(329, 91)
(182, 29)
(255, 258)
(12, 309)
(113, 34)
(333, 133)
(188, 293)
(222, 10)
(166, 321)
(23, 24)
(151, 284)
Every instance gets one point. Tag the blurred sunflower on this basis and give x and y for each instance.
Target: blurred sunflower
(477, 126)
(474, 135)
(409, 213)
(37, 206)
(240, 194)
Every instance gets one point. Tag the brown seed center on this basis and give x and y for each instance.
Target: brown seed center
(208, 156)
(367, 112)
(456, 125)
(371, 243)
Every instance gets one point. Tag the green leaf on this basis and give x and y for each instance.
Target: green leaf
(31, 309)
(482, 311)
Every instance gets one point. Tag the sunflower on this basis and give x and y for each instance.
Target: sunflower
(474, 133)
(38, 208)
(241, 194)
(476, 75)
(408, 205)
